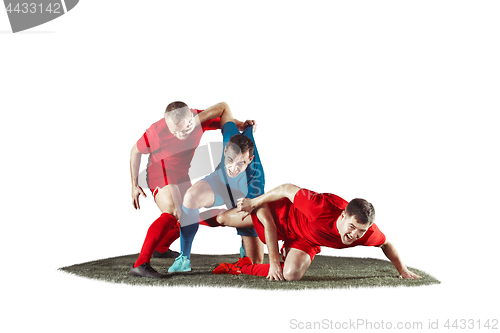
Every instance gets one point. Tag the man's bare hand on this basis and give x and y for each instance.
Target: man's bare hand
(245, 205)
(275, 272)
(407, 274)
(242, 125)
(136, 192)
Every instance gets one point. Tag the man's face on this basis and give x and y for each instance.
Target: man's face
(181, 130)
(349, 229)
(235, 161)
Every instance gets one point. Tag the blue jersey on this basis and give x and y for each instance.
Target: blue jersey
(248, 184)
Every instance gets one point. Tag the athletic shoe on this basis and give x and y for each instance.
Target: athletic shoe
(144, 270)
(167, 254)
(181, 264)
(233, 269)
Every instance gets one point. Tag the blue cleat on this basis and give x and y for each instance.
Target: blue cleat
(181, 264)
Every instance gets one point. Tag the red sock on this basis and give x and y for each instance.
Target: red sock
(155, 235)
(257, 269)
(171, 236)
(207, 218)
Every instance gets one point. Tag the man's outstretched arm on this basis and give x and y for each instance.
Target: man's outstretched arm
(223, 111)
(282, 191)
(390, 252)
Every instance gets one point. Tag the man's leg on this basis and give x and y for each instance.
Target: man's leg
(254, 248)
(156, 231)
(296, 264)
(235, 219)
(296, 261)
(207, 218)
(198, 196)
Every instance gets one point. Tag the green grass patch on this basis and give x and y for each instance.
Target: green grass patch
(325, 272)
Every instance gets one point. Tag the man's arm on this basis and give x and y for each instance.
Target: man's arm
(282, 191)
(223, 111)
(390, 252)
(135, 163)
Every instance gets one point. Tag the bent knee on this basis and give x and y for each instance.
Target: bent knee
(189, 199)
(292, 275)
(222, 218)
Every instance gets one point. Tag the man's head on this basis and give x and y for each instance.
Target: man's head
(355, 220)
(179, 119)
(238, 154)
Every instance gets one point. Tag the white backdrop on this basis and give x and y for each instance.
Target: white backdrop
(391, 101)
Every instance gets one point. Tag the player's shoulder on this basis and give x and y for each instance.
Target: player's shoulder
(159, 129)
(160, 124)
(336, 200)
(373, 237)
(374, 228)
(326, 199)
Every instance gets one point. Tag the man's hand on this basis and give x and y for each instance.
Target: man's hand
(246, 205)
(275, 272)
(136, 192)
(407, 274)
(391, 254)
(242, 125)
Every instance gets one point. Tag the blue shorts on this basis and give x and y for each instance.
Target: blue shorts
(222, 197)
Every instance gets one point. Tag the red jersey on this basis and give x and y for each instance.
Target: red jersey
(170, 158)
(312, 218)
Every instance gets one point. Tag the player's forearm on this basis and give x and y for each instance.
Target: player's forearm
(392, 254)
(221, 110)
(277, 193)
(135, 163)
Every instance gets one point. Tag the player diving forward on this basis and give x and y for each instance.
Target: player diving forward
(305, 220)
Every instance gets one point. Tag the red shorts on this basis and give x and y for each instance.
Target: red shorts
(290, 242)
(183, 185)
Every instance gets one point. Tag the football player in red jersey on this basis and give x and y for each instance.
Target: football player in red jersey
(305, 220)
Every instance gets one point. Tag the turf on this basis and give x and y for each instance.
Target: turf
(325, 272)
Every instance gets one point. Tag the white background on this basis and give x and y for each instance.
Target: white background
(392, 101)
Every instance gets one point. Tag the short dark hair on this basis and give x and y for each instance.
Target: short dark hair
(243, 142)
(175, 105)
(362, 210)
(177, 111)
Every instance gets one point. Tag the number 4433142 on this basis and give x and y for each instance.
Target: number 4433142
(471, 324)
(32, 8)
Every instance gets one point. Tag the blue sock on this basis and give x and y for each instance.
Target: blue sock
(190, 220)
